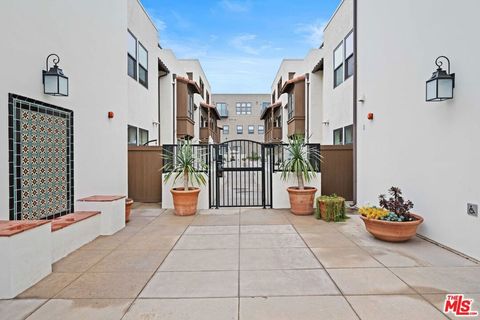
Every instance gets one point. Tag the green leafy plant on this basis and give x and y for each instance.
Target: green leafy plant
(254, 157)
(331, 208)
(184, 163)
(299, 162)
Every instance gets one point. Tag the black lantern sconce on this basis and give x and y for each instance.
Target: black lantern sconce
(55, 83)
(440, 85)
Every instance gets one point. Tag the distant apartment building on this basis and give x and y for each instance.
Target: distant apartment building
(240, 115)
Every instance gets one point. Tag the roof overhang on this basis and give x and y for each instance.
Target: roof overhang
(212, 108)
(272, 106)
(318, 66)
(162, 68)
(291, 83)
(192, 85)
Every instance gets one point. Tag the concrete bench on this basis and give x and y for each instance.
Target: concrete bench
(72, 231)
(25, 255)
(112, 209)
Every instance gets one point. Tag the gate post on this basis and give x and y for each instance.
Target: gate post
(217, 178)
(263, 175)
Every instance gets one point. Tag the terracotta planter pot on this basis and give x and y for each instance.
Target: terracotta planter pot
(185, 202)
(393, 231)
(128, 208)
(301, 201)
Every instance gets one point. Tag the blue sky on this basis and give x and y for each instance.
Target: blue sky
(240, 43)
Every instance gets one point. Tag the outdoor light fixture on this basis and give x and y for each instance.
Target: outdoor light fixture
(440, 85)
(55, 83)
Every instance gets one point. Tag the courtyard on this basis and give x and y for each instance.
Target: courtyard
(247, 264)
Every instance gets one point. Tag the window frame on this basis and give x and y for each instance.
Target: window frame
(340, 130)
(291, 105)
(251, 126)
(340, 66)
(128, 135)
(141, 66)
(239, 129)
(227, 127)
(345, 134)
(191, 107)
(262, 130)
(134, 59)
(140, 131)
(349, 57)
(219, 106)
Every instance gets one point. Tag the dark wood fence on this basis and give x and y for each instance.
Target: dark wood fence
(337, 170)
(144, 174)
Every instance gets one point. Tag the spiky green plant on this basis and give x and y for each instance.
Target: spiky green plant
(183, 162)
(299, 161)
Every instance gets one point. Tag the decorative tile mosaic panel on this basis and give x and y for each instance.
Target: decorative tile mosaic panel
(40, 159)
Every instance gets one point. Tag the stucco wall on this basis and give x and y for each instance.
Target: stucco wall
(430, 150)
(93, 56)
(338, 102)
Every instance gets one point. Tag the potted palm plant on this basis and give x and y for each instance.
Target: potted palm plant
(183, 163)
(299, 164)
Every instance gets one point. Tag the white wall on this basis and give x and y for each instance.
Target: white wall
(338, 102)
(167, 199)
(280, 194)
(430, 150)
(93, 56)
(143, 102)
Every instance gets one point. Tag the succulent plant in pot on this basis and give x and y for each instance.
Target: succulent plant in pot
(392, 221)
(299, 164)
(185, 164)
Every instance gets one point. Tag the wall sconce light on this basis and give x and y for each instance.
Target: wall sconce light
(111, 114)
(440, 86)
(370, 116)
(55, 83)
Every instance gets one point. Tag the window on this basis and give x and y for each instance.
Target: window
(142, 65)
(132, 135)
(279, 87)
(226, 129)
(222, 109)
(338, 65)
(208, 97)
(349, 60)
(338, 136)
(265, 105)
(202, 86)
(273, 96)
(251, 129)
(291, 75)
(190, 75)
(143, 136)
(132, 56)
(244, 108)
(190, 106)
(277, 120)
(348, 134)
(239, 129)
(291, 105)
(261, 129)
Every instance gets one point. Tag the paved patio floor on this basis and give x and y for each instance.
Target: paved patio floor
(249, 264)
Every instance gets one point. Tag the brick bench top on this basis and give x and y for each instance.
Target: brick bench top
(71, 218)
(10, 228)
(101, 198)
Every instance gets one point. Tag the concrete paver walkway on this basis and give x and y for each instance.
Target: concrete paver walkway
(250, 264)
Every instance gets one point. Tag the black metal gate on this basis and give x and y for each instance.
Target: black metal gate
(240, 174)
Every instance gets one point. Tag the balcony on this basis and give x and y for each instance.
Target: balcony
(185, 124)
(208, 119)
(295, 88)
(273, 135)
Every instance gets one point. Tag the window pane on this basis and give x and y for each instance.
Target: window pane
(349, 134)
(338, 136)
(143, 136)
(349, 67)
(226, 129)
(132, 45)
(142, 56)
(239, 129)
(251, 129)
(349, 45)
(338, 76)
(132, 135)
(338, 56)
(261, 129)
(143, 76)
(132, 67)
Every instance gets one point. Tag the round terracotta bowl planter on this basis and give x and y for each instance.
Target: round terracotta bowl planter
(185, 202)
(301, 201)
(128, 208)
(393, 231)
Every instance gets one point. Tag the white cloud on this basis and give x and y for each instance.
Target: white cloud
(312, 33)
(235, 6)
(247, 43)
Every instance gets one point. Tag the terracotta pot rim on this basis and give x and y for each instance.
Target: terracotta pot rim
(306, 190)
(129, 201)
(181, 190)
(418, 220)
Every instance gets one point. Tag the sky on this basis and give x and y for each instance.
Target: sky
(240, 43)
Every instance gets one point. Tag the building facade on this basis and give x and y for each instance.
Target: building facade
(239, 115)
